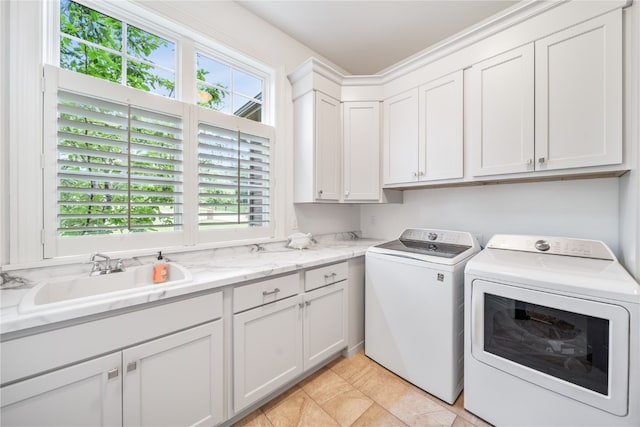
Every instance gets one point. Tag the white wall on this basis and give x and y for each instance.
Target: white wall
(4, 132)
(630, 183)
(581, 208)
(327, 218)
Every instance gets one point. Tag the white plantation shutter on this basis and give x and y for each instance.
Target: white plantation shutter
(119, 167)
(233, 178)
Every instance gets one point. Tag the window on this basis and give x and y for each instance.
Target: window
(227, 89)
(233, 178)
(126, 168)
(119, 168)
(98, 45)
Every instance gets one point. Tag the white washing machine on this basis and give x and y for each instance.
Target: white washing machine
(414, 294)
(552, 334)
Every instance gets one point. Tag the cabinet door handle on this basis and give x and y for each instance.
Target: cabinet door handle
(530, 162)
(541, 160)
(415, 174)
(320, 193)
(113, 373)
(275, 291)
(300, 305)
(132, 366)
(420, 173)
(307, 303)
(346, 194)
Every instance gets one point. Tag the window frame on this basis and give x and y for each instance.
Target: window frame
(187, 43)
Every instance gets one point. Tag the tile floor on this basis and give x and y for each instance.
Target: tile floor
(358, 392)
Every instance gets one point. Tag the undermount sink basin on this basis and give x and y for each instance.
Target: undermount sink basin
(66, 291)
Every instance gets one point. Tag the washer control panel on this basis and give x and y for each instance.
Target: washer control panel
(439, 236)
(552, 245)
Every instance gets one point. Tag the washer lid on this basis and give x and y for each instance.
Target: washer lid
(431, 245)
(444, 250)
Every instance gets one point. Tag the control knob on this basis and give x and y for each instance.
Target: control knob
(432, 236)
(542, 245)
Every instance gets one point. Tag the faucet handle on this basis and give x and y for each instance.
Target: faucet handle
(119, 265)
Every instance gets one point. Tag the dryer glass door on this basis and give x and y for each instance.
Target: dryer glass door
(573, 346)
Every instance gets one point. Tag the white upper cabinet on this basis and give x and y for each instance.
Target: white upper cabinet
(328, 147)
(361, 151)
(318, 145)
(424, 132)
(441, 129)
(579, 95)
(571, 82)
(501, 126)
(400, 147)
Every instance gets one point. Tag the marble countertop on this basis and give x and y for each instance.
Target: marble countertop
(210, 269)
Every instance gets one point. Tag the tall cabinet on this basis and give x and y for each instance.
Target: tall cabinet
(318, 145)
(361, 150)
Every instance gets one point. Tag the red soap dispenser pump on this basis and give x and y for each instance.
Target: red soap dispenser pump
(160, 270)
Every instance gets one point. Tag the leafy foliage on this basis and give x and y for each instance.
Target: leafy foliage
(121, 195)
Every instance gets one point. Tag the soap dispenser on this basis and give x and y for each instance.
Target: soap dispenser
(160, 270)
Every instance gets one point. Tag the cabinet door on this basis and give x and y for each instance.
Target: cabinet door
(579, 95)
(175, 380)
(85, 394)
(401, 138)
(325, 323)
(328, 132)
(441, 124)
(501, 106)
(361, 128)
(267, 349)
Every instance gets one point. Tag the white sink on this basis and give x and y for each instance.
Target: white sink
(64, 292)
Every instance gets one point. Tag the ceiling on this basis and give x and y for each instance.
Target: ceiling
(366, 36)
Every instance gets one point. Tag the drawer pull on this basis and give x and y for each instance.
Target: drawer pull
(113, 373)
(275, 291)
(330, 276)
(132, 366)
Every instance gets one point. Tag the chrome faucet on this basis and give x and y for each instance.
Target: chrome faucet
(104, 266)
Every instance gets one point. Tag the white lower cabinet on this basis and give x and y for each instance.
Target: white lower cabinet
(267, 349)
(174, 380)
(85, 394)
(325, 323)
(275, 343)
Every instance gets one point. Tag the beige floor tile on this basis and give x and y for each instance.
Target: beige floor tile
(298, 409)
(414, 407)
(381, 386)
(354, 368)
(439, 418)
(347, 407)
(359, 392)
(377, 416)
(462, 422)
(325, 385)
(255, 419)
(279, 399)
(458, 409)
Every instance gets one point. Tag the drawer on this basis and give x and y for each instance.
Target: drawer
(104, 335)
(319, 277)
(256, 294)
